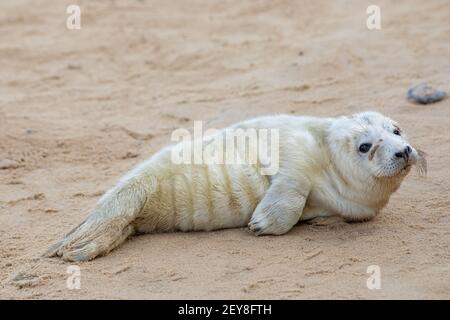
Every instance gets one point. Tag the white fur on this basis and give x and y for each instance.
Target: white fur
(321, 173)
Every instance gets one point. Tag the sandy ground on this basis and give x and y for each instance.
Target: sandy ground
(79, 108)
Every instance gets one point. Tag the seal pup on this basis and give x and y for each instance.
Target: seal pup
(347, 166)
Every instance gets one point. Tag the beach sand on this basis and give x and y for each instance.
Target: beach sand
(79, 108)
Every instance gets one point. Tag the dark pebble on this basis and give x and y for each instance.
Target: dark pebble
(425, 94)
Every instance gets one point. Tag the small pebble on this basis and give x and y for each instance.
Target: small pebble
(130, 155)
(23, 276)
(6, 164)
(425, 94)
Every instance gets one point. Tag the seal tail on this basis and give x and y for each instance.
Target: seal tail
(109, 225)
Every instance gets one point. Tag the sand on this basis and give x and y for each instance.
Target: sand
(79, 108)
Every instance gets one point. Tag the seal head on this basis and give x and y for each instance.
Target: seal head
(369, 145)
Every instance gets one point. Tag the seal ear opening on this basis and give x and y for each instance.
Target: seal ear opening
(421, 165)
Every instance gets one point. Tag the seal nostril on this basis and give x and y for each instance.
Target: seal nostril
(399, 154)
(404, 154)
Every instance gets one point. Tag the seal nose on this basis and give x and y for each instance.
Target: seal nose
(404, 154)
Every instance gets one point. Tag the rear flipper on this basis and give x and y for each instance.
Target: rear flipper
(106, 227)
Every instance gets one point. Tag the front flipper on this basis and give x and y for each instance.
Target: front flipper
(281, 207)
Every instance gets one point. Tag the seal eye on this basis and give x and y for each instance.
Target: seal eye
(396, 132)
(365, 147)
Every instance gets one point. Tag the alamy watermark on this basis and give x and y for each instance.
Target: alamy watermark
(374, 281)
(373, 21)
(241, 146)
(73, 21)
(73, 281)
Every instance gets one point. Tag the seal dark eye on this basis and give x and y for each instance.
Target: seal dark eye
(397, 132)
(365, 147)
